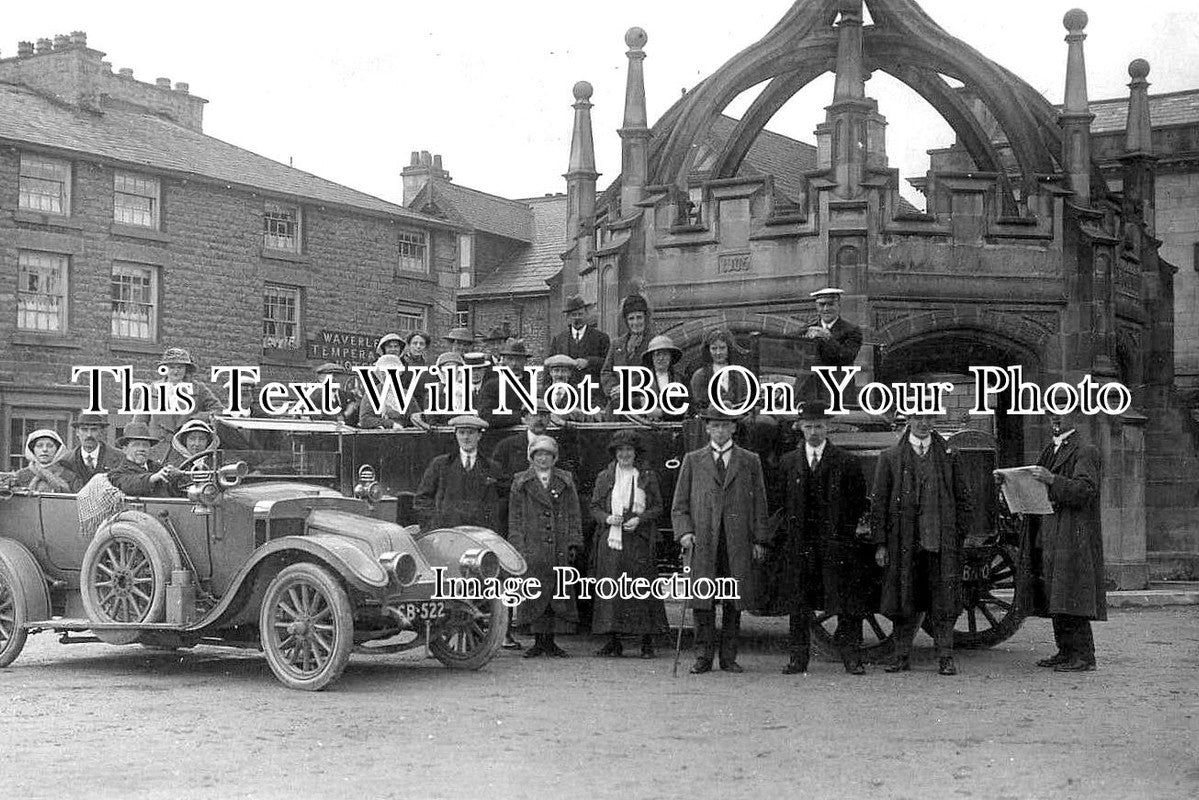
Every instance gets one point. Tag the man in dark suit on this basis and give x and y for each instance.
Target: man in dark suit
(836, 341)
(138, 475)
(586, 344)
(513, 355)
(462, 487)
(1063, 551)
(920, 515)
(823, 564)
(91, 455)
(719, 516)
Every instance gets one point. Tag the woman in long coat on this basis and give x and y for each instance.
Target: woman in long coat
(544, 525)
(626, 504)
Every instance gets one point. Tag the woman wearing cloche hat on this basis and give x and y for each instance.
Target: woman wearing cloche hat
(179, 371)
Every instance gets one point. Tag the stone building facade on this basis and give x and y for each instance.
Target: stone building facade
(125, 230)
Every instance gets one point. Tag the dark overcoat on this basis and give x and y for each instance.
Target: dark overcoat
(543, 524)
(625, 351)
(488, 401)
(1062, 552)
(894, 522)
(735, 510)
(635, 558)
(512, 456)
(593, 347)
(107, 459)
(449, 495)
(825, 566)
(134, 480)
(700, 400)
(842, 346)
(164, 426)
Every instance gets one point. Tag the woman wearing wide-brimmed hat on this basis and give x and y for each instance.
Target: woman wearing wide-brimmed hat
(626, 504)
(179, 370)
(44, 473)
(662, 357)
(719, 347)
(544, 525)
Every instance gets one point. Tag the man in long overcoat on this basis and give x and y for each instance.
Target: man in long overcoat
(462, 487)
(920, 513)
(719, 517)
(823, 563)
(1063, 551)
(586, 344)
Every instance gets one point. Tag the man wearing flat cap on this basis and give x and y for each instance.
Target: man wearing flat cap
(719, 516)
(462, 487)
(822, 562)
(835, 339)
(585, 344)
(91, 455)
(138, 475)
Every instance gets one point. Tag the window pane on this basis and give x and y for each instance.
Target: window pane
(133, 301)
(413, 251)
(135, 200)
(41, 291)
(281, 227)
(281, 317)
(44, 184)
(410, 318)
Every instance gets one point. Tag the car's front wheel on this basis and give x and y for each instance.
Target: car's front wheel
(12, 617)
(306, 625)
(471, 635)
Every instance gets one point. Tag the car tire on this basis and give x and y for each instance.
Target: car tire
(306, 626)
(471, 635)
(13, 614)
(124, 576)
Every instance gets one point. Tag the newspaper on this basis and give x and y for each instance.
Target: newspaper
(1024, 493)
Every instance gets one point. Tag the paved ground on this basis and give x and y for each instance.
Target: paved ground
(97, 721)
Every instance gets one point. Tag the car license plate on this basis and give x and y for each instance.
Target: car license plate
(423, 611)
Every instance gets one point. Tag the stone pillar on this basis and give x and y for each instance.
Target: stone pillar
(1121, 440)
(634, 132)
(1076, 113)
(580, 193)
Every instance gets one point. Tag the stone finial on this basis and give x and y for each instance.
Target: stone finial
(1075, 20)
(1138, 138)
(1076, 113)
(635, 38)
(634, 130)
(1075, 101)
(24, 49)
(583, 91)
(582, 146)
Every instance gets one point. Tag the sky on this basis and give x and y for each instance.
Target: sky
(348, 90)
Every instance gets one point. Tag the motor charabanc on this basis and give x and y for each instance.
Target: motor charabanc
(314, 450)
(299, 570)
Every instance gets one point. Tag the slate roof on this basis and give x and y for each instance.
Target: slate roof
(485, 212)
(785, 158)
(527, 272)
(134, 136)
(1170, 108)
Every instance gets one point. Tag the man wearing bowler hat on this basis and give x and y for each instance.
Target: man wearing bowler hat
(719, 516)
(822, 562)
(461, 487)
(138, 475)
(586, 344)
(91, 455)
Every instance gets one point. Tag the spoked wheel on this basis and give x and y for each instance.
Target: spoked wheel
(988, 586)
(471, 635)
(12, 617)
(877, 641)
(124, 576)
(306, 625)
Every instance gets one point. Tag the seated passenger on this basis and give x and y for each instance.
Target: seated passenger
(348, 395)
(662, 357)
(390, 414)
(43, 474)
(196, 438)
(564, 377)
(139, 476)
(719, 346)
(450, 385)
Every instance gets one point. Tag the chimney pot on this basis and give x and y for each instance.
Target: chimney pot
(44, 45)
(182, 87)
(24, 49)
(414, 161)
(437, 163)
(165, 83)
(425, 159)
(106, 66)
(61, 41)
(79, 38)
(125, 72)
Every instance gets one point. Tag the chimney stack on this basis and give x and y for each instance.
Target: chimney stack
(62, 41)
(79, 38)
(44, 45)
(24, 49)
(125, 72)
(422, 166)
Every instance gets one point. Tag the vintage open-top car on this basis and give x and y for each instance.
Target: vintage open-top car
(305, 573)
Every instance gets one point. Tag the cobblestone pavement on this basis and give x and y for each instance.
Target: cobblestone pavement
(97, 721)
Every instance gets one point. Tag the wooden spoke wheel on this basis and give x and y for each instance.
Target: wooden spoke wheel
(471, 635)
(124, 577)
(877, 641)
(989, 614)
(306, 626)
(12, 617)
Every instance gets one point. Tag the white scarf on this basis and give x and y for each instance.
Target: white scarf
(625, 484)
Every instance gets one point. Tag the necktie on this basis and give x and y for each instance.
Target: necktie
(91, 461)
(721, 469)
(814, 460)
(920, 448)
(469, 462)
(578, 335)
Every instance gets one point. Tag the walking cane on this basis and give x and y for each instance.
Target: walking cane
(678, 644)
